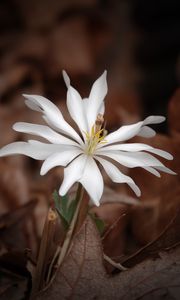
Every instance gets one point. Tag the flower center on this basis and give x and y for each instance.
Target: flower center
(96, 135)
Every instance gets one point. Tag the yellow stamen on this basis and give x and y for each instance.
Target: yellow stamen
(96, 135)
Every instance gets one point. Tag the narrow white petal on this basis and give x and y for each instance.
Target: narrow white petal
(32, 104)
(146, 132)
(44, 105)
(117, 176)
(132, 159)
(59, 159)
(131, 147)
(152, 171)
(66, 78)
(92, 181)
(154, 120)
(96, 98)
(165, 170)
(101, 109)
(76, 109)
(43, 131)
(123, 133)
(87, 103)
(129, 131)
(52, 114)
(113, 172)
(72, 173)
(135, 188)
(38, 151)
(161, 153)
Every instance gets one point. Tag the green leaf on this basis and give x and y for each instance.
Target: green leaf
(61, 207)
(100, 224)
(71, 210)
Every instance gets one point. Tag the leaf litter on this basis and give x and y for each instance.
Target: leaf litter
(142, 235)
(82, 274)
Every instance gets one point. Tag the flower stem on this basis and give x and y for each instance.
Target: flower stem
(67, 241)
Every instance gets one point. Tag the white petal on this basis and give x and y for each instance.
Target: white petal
(76, 109)
(59, 159)
(44, 105)
(66, 78)
(135, 188)
(132, 159)
(165, 170)
(92, 180)
(152, 171)
(37, 150)
(72, 173)
(129, 131)
(161, 153)
(117, 176)
(96, 98)
(123, 133)
(52, 114)
(154, 120)
(132, 147)
(86, 103)
(43, 131)
(146, 132)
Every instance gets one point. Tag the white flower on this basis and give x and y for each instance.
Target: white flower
(80, 153)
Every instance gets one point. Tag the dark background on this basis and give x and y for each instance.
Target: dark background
(137, 41)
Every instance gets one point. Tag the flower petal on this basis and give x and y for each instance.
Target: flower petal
(152, 171)
(129, 131)
(35, 150)
(76, 109)
(132, 159)
(52, 115)
(43, 131)
(161, 153)
(123, 133)
(154, 120)
(95, 104)
(92, 181)
(59, 159)
(117, 176)
(146, 132)
(66, 78)
(131, 147)
(165, 170)
(72, 173)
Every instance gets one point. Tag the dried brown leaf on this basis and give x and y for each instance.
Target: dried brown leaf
(14, 276)
(82, 275)
(168, 239)
(14, 231)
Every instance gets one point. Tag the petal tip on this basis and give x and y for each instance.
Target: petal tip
(42, 171)
(26, 96)
(66, 78)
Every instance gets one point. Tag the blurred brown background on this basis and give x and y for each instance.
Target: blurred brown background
(138, 43)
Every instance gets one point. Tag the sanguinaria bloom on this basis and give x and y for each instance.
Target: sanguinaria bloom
(81, 153)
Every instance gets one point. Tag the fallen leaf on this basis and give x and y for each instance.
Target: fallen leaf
(14, 229)
(167, 239)
(82, 275)
(15, 279)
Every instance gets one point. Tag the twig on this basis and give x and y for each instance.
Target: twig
(114, 264)
(47, 236)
